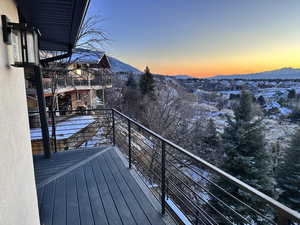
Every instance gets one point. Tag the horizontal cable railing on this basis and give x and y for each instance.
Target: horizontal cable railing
(73, 82)
(185, 183)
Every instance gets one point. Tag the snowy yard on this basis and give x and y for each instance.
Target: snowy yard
(65, 129)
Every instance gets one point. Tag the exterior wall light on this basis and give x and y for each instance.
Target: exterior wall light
(22, 41)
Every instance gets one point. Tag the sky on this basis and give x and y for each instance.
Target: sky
(202, 37)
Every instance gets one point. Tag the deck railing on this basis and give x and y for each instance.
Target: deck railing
(77, 82)
(187, 186)
(73, 129)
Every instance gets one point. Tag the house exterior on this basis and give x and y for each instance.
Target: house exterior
(78, 85)
(18, 198)
(83, 84)
(15, 148)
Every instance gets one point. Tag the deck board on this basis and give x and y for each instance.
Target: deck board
(122, 207)
(109, 206)
(144, 203)
(73, 217)
(85, 210)
(95, 199)
(45, 168)
(101, 191)
(133, 204)
(59, 214)
(47, 204)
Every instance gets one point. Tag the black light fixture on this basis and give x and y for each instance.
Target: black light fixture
(22, 41)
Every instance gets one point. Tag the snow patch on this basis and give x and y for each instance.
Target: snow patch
(64, 129)
(178, 212)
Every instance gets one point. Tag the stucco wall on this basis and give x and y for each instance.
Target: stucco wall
(18, 201)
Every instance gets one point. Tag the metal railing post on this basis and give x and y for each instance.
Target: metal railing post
(129, 143)
(42, 111)
(53, 129)
(163, 178)
(113, 126)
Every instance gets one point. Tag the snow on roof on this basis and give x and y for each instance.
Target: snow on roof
(285, 111)
(65, 129)
(87, 56)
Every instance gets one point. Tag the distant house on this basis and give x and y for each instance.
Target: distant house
(79, 84)
(91, 73)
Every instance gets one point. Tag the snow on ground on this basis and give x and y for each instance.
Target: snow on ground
(272, 105)
(284, 111)
(275, 129)
(178, 212)
(199, 176)
(229, 92)
(280, 131)
(96, 140)
(64, 129)
(207, 107)
(276, 91)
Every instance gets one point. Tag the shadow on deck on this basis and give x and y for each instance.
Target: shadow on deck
(90, 187)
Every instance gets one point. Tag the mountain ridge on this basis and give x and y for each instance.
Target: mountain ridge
(119, 66)
(283, 73)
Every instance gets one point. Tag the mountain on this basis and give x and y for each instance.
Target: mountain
(182, 77)
(119, 66)
(284, 73)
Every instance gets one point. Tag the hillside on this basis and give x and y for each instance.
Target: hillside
(284, 73)
(119, 66)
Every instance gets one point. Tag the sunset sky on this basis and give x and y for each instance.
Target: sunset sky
(202, 37)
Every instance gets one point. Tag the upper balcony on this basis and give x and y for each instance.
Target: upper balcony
(69, 84)
(109, 169)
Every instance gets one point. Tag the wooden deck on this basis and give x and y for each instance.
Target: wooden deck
(91, 188)
(47, 169)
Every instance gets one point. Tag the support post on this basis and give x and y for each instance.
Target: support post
(42, 111)
(163, 178)
(53, 129)
(113, 126)
(129, 143)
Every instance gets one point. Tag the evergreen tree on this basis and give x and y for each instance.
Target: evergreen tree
(295, 115)
(205, 142)
(131, 97)
(292, 94)
(147, 83)
(276, 156)
(131, 81)
(261, 100)
(289, 174)
(246, 159)
(211, 138)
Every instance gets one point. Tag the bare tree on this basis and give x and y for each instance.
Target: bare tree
(91, 38)
(91, 35)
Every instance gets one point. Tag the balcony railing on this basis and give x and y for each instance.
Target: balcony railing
(184, 184)
(76, 129)
(77, 82)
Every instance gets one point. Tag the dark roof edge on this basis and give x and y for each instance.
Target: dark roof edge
(82, 19)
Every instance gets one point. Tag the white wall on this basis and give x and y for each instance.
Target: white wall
(18, 200)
